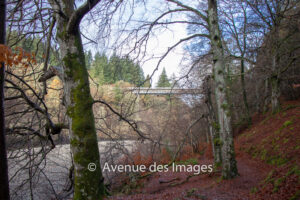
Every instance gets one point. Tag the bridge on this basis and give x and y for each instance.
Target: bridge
(162, 91)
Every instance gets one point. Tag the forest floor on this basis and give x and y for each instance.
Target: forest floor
(268, 163)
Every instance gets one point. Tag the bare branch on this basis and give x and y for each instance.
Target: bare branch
(79, 14)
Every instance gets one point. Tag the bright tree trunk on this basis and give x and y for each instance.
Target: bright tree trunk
(79, 102)
(229, 167)
(213, 128)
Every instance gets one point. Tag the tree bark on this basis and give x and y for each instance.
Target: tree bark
(248, 117)
(229, 167)
(266, 96)
(4, 185)
(79, 102)
(275, 87)
(212, 126)
(275, 94)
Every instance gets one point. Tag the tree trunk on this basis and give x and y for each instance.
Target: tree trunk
(216, 143)
(229, 168)
(275, 94)
(266, 96)
(275, 88)
(248, 117)
(4, 186)
(88, 184)
(213, 127)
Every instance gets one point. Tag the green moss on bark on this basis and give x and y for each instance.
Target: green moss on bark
(84, 144)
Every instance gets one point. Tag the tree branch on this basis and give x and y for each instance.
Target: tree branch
(132, 124)
(197, 12)
(51, 72)
(79, 14)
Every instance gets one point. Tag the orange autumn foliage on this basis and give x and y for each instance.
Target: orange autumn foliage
(186, 153)
(16, 57)
(165, 156)
(138, 159)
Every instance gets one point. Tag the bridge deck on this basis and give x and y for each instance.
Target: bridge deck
(162, 90)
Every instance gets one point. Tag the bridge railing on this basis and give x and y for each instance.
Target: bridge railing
(162, 90)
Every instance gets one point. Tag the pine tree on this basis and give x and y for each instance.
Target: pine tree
(147, 82)
(111, 70)
(88, 59)
(97, 67)
(163, 80)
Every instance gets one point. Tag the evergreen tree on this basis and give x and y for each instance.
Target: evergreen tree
(147, 82)
(163, 80)
(88, 59)
(114, 69)
(97, 67)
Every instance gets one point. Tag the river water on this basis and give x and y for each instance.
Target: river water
(50, 172)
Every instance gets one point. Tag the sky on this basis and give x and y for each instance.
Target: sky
(158, 44)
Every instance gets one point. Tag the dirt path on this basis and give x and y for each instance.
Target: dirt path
(204, 186)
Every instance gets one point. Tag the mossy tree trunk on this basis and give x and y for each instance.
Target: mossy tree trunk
(229, 167)
(78, 101)
(213, 125)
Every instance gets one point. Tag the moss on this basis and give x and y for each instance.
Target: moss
(253, 190)
(225, 106)
(287, 123)
(228, 113)
(217, 165)
(84, 140)
(74, 142)
(276, 160)
(191, 161)
(294, 170)
(218, 142)
(269, 178)
(285, 140)
(277, 184)
(295, 196)
(216, 126)
(263, 154)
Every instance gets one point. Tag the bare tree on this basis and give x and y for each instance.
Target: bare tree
(210, 21)
(273, 18)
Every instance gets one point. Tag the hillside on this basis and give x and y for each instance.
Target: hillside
(268, 162)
